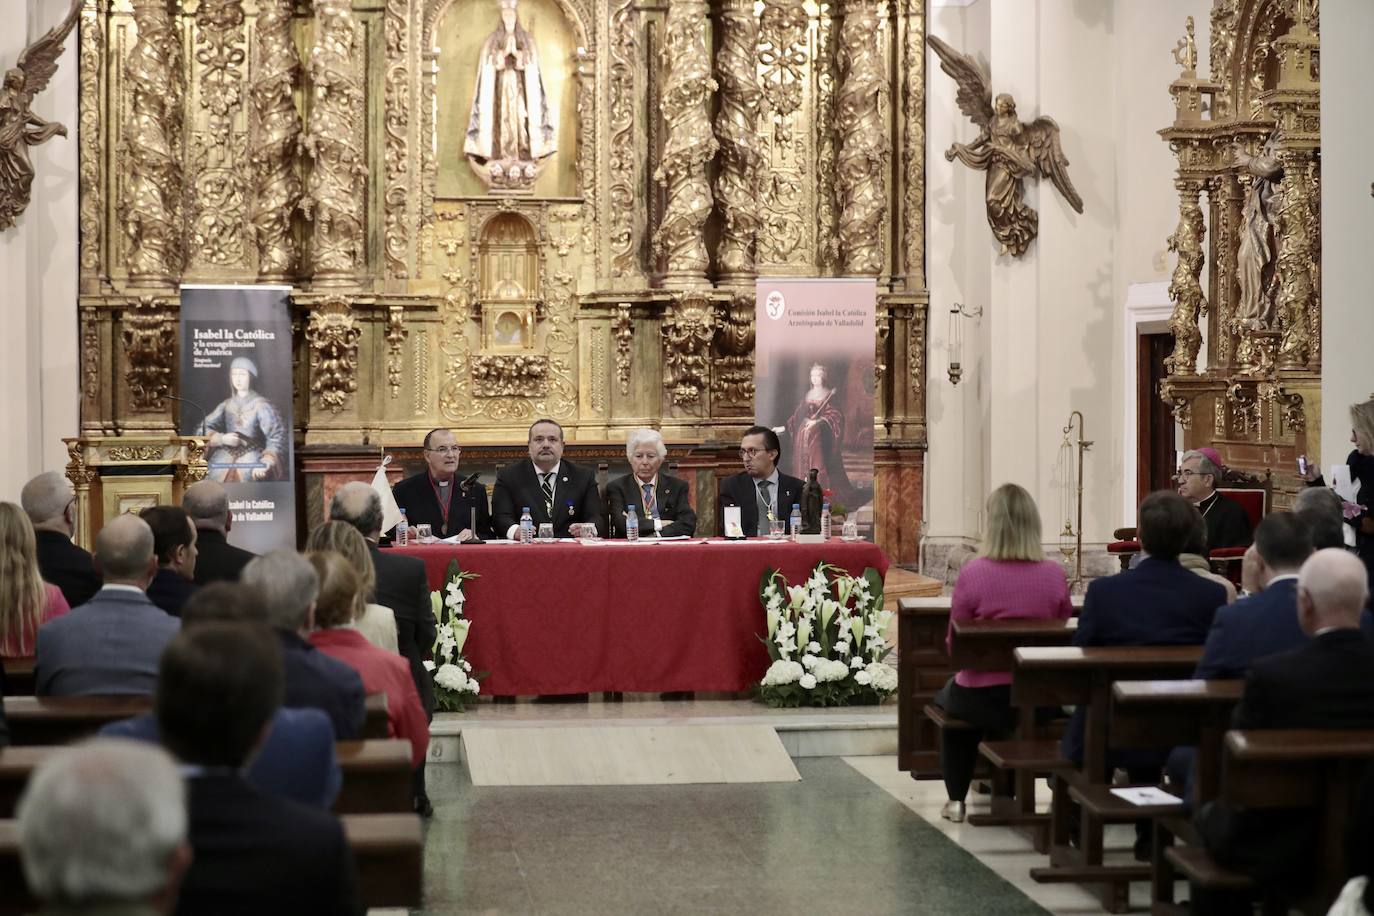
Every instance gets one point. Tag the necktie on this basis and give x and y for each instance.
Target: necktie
(546, 484)
(650, 510)
(765, 507)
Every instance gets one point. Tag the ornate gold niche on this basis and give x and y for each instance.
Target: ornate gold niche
(1249, 139)
(320, 143)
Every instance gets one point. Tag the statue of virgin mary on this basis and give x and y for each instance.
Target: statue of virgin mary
(511, 128)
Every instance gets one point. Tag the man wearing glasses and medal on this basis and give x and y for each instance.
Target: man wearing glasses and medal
(437, 497)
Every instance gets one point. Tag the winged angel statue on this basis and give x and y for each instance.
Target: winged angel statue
(20, 128)
(1007, 150)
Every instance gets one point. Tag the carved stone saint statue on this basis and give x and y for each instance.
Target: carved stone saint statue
(812, 496)
(1008, 150)
(511, 128)
(20, 128)
(1259, 219)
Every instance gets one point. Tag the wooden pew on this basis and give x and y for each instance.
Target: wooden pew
(19, 676)
(376, 775)
(59, 720)
(388, 849)
(1045, 676)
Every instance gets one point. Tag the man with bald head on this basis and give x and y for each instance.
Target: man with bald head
(49, 501)
(207, 502)
(112, 643)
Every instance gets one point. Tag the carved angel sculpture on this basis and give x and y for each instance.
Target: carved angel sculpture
(20, 128)
(1006, 149)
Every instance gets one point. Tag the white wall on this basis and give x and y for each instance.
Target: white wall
(1347, 219)
(39, 272)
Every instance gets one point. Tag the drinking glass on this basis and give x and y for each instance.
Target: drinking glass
(583, 531)
(423, 534)
(546, 533)
(777, 529)
(850, 529)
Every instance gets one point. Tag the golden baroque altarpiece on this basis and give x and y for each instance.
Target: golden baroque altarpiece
(1249, 137)
(321, 143)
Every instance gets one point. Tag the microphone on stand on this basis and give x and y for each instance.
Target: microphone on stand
(203, 413)
(468, 481)
(464, 487)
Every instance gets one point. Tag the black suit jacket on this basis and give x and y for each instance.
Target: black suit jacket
(741, 490)
(169, 590)
(254, 853)
(416, 496)
(218, 560)
(517, 486)
(67, 566)
(671, 496)
(1228, 524)
(322, 682)
(403, 586)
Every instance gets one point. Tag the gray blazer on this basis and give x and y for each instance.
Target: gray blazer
(111, 644)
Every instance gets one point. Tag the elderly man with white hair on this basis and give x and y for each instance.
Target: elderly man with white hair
(103, 830)
(658, 500)
(49, 500)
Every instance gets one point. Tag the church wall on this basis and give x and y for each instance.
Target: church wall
(38, 274)
(1347, 219)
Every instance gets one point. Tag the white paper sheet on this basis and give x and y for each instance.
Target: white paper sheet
(1147, 795)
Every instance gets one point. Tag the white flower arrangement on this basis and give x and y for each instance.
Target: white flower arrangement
(825, 639)
(454, 683)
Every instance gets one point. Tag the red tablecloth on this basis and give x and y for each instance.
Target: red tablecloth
(571, 618)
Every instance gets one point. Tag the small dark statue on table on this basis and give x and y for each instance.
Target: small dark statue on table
(811, 498)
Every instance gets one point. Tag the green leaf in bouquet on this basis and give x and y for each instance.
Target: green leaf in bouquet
(765, 580)
(875, 587)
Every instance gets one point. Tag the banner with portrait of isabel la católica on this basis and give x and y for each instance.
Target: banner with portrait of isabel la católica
(814, 384)
(236, 392)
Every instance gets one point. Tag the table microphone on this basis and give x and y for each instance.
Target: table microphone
(466, 485)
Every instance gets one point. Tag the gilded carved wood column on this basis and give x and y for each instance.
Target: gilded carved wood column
(861, 165)
(274, 138)
(688, 146)
(1185, 288)
(741, 151)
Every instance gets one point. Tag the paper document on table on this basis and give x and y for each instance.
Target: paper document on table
(673, 537)
(1147, 795)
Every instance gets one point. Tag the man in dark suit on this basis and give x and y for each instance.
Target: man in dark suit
(552, 489)
(207, 503)
(219, 685)
(659, 500)
(288, 587)
(110, 644)
(174, 542)
(1325, 683)
(1228, 524)
(762, 491)
(49, 500)
(402, 585)
(438, 498)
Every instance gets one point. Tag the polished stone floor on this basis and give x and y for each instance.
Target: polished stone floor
(834, 842)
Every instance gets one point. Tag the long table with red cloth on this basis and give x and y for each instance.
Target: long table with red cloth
(574, 618)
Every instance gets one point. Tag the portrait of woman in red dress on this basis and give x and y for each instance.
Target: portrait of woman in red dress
(816, 432)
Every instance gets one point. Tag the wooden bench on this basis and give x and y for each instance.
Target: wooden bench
(388, 849)
(376, 775)
(19, 676)
(60, 720)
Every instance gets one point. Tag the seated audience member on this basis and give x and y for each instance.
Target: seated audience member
(174, 542)
(555, 491)
(102, 830)
(207, 502)
(437, 498)
(340, 601)
(1228, 524)
(762, 491)
(1360, 461)
(288, 586)
(112, 643)
(659, 500)
(297, 759)
(1194, 557)
(49, 500)
(1326, 683)
(377, 622)
(253, 853)
(1320, 509)
(26, 601)
(1010, 579)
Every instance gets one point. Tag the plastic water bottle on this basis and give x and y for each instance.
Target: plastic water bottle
(825, 520)
(631, 523)
(794, 523)
(402, 530)
(526, 526)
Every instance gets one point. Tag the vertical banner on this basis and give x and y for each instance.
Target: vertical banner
(814, 383)
(236, 391)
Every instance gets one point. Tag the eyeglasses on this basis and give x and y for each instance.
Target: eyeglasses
(445, 450)
(752, 452)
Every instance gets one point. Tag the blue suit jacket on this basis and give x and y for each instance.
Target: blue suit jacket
(296, 761)
(322, 682)
(111, 644)
(1159, 603)
(1255, 626)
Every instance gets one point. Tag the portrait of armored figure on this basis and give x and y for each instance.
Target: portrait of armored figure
(246, 439)
(511, 126)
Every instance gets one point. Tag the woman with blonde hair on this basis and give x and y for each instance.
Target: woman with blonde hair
(1361, 463)
(1010, 578)
(376, 622)
(26, 601)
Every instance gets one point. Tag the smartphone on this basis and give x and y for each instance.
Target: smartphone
(1302, 465)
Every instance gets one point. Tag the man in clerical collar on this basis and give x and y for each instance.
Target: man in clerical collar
(1228, 524)
(437, 496)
